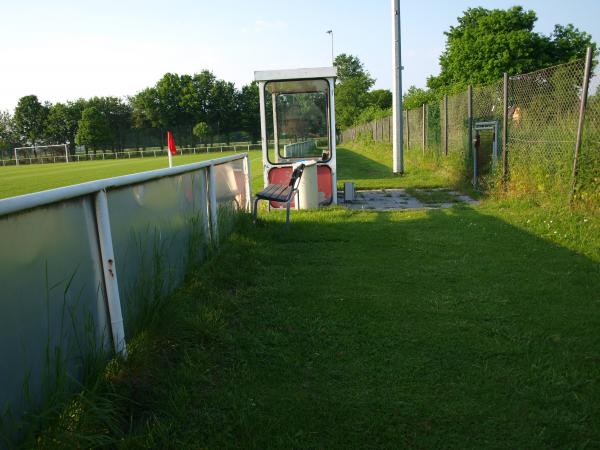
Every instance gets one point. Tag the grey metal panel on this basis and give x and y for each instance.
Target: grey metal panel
(51, 300)
(157, 227)
(230, 183)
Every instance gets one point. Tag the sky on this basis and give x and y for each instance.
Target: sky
(65, 49)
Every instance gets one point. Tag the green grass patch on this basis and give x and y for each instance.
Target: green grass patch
(369, 165)
(432, 197)
(441, 328)
(471, 327)
(25, 179)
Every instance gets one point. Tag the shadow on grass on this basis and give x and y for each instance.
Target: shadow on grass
(428, 329)
(444, 328)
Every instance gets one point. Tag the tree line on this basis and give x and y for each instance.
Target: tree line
(201, 108)
(483, 45)
(486, 43)
(198, 108)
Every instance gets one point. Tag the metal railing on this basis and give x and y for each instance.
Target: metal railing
(128, 154)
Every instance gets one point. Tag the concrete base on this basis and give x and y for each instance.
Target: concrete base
(399, 199)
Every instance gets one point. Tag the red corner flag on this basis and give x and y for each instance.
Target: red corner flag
(171, 143)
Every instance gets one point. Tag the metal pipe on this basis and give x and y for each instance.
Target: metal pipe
(212, 192)
(446, 124)
(582, 105)
(263, 128)
(248, 183)
(398, 137)
(275, 127)
(407, 131)
(471, 147)
(423, 128)
(28, 201)
(333, 156)
(109, 270)
(505, 130)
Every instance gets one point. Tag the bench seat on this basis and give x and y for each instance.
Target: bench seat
(282, 193)
(275, 192)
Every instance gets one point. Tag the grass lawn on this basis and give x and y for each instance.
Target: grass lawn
(18, 180)
(368, 169)
(471, 327)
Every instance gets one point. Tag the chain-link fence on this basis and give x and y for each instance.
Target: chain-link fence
(587, 186)
(542, 125)
(542, 112)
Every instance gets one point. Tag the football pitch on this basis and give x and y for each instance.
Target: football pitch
(25, 179)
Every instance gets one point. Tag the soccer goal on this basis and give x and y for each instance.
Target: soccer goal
(42, 154)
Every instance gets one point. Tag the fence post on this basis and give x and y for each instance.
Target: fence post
(446, 124)
(109, 271)
(407, 131)
(582, 105)
(423, 128)
(212, 193)
(248, 183)
(505, 131)
(471, 147)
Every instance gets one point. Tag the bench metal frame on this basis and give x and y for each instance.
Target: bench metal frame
(281, 193)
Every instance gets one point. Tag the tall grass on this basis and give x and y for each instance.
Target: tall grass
(87, 394)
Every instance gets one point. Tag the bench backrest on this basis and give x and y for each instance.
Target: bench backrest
(296, 175)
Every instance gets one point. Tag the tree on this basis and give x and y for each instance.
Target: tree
(486, 43)
(118, 115)
(415, 97)
(223, 111)
(351, 67)
(568, 44)
(371, 113)
(202, 131)
(249, 110)
(380, 98)
(62, 120)
(170, 90)
(145, 108)
(196, 96)
(9, 137)
(30, 118)
(93, 129)
(353, 84)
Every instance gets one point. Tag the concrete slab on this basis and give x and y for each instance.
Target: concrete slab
(400, 199)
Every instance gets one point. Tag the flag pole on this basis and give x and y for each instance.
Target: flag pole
(170, 146)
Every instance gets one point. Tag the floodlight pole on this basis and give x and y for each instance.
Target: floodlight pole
(398, 137)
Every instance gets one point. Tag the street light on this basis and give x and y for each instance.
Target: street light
(330, 32)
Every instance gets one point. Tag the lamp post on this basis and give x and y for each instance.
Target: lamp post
(330, 32)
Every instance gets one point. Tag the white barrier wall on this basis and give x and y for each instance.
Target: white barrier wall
(57, 308)
(299, 149)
